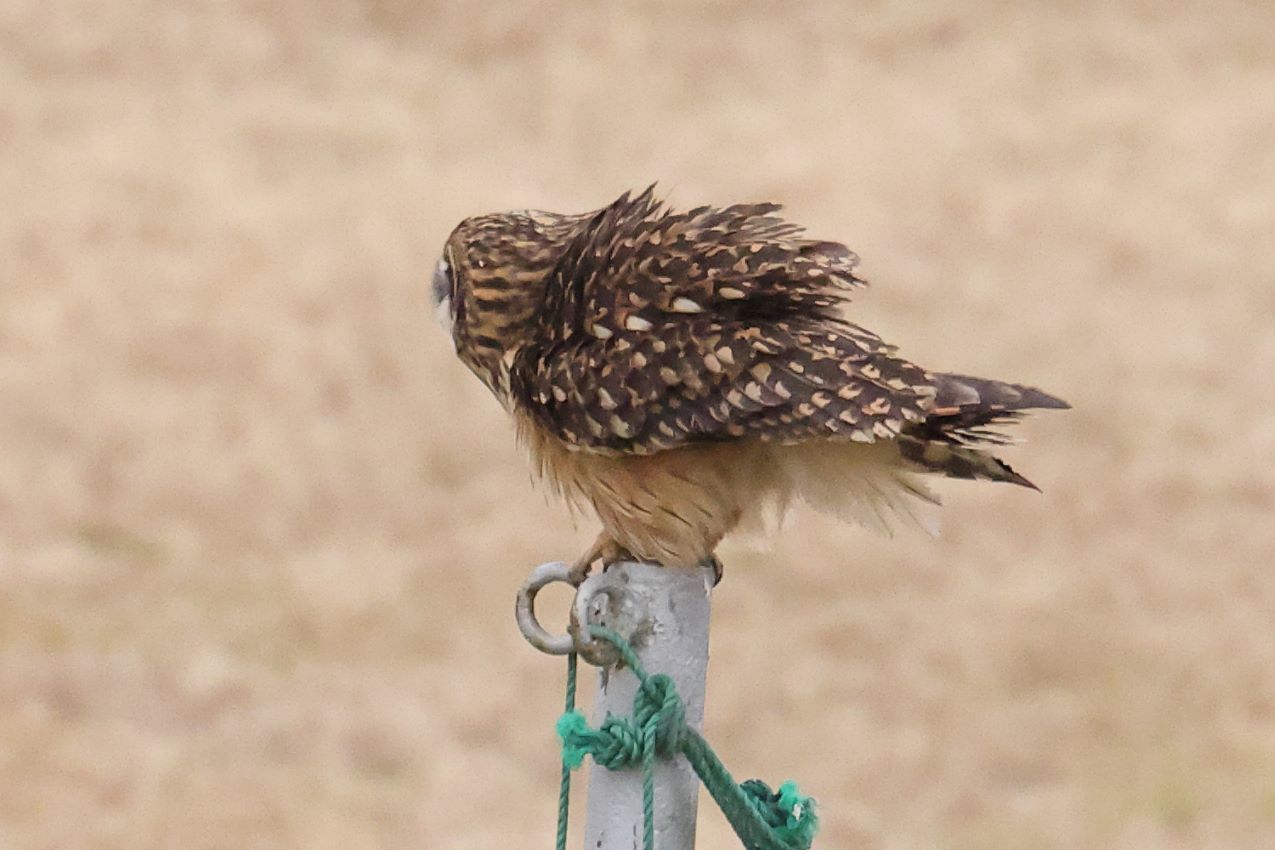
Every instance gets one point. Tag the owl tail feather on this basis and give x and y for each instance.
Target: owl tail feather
(953, 437)
(958, 461)
(963, 394)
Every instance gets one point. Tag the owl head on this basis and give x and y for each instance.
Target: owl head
(489, 285)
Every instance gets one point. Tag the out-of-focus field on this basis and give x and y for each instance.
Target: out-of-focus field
(260, 531)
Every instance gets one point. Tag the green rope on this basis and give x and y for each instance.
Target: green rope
(763, 819)
(564, 788)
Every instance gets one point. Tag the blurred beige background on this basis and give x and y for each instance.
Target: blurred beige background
(260, 531)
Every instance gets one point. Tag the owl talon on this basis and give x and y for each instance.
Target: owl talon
(716, 563)
(579, 572)
(604, 549)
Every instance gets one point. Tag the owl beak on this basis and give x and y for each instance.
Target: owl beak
(442, 291)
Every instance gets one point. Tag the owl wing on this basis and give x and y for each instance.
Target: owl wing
(662, 329)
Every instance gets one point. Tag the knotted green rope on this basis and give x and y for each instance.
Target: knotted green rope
(763, 819)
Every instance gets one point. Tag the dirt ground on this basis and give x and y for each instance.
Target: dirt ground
(260, 531)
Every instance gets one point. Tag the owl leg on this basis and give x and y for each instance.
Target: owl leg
(604, 549)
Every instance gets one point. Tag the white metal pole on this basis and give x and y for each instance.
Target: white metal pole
(664, 614)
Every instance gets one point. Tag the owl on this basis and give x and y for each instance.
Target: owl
(685, 374)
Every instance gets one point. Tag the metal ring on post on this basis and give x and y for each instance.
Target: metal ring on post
(597, 600)
(525, 610)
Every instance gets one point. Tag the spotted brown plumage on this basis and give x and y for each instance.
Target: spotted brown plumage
(676, 371)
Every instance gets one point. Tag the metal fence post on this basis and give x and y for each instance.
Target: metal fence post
(664, 614)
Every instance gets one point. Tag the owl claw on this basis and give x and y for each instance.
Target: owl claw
(579, 572)
(604, 549)
(718, 570)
